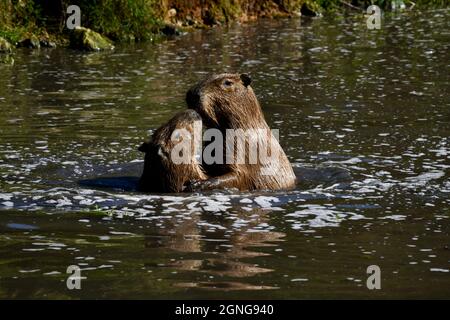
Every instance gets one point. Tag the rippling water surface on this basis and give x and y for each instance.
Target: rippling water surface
(375, 104)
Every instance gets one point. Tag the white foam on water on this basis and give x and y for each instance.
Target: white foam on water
(29, 271)
(424, 178)
(51, 273)
(265, 202)
(299, 280)
(213, 205)
(317, 216)
(439, 270)
(396, 217)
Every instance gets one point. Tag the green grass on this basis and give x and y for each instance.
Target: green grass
(13, 35)
(120, 19)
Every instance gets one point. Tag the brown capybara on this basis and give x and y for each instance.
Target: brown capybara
(227, 101)
(162, 171)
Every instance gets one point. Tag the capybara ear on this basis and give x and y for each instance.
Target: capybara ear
(246, 80)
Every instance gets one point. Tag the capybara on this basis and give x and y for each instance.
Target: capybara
(161, 172)
(227, 101)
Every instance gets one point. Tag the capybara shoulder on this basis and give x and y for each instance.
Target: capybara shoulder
(170, 155)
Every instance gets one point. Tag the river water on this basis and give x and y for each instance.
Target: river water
(363, 116)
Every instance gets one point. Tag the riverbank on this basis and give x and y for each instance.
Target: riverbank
(39, 23)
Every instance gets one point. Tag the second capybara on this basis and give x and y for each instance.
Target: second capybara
(163, 170)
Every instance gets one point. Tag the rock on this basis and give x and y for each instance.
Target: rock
(87, 39)
(6, 59)
(170, 16)
(47, 44)
(397, 5)
(171, 13)
(209, 18)
(31, 42)
(189, 21)
(5, 46)
(170, 30)
(5, 52)
(306, 11)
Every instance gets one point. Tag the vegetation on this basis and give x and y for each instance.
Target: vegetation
(137, 20)
(120, 19)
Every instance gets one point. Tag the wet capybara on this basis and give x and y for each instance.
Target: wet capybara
(227, 101)
(164, 168)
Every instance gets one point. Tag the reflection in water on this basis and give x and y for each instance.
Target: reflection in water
(223, 253)
(363, 116)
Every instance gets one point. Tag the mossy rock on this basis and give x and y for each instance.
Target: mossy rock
(6, 59)
(170, 30)
(310, 9)
(47, 43)
(31, 42)
(89, 40)
(5, 46)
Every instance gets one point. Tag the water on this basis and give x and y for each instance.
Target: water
(374, 103)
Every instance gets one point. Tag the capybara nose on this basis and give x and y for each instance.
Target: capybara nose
(193, 98)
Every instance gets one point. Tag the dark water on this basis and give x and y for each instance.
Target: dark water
(375, 103)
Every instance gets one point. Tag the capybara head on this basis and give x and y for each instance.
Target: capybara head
(225, 101)
(170, 157)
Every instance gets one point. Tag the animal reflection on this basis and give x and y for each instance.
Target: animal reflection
(229, 246)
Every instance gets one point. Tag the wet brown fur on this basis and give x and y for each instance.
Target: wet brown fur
(160, 173)
(227, 101)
